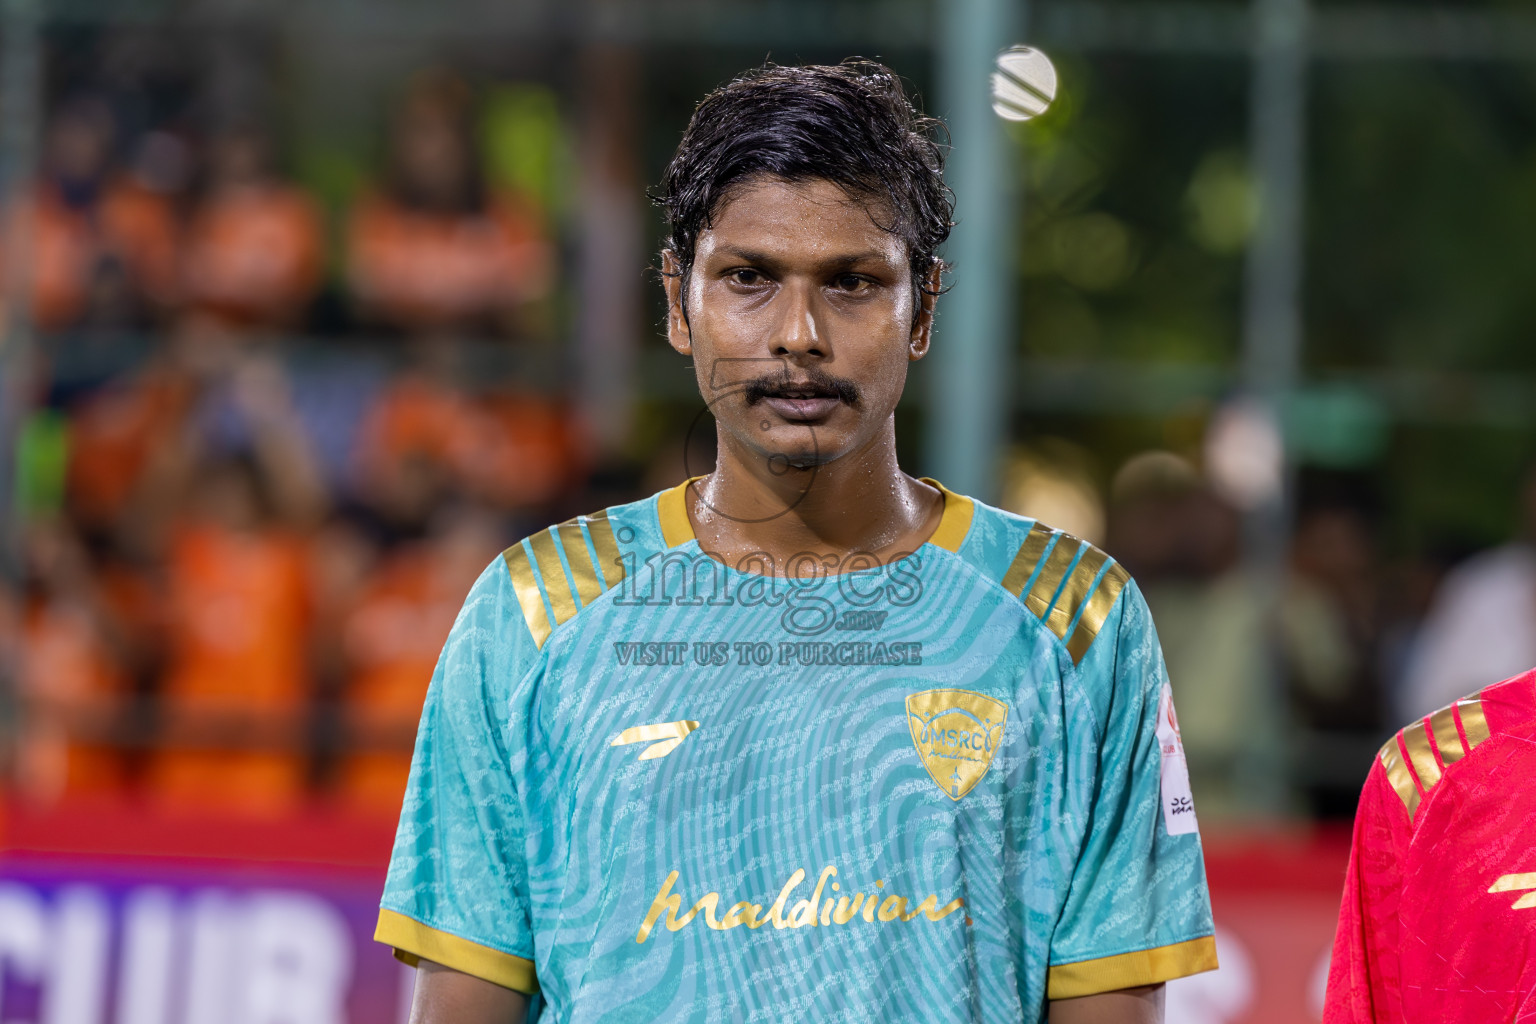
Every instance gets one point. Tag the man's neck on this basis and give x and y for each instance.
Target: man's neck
(859, 503)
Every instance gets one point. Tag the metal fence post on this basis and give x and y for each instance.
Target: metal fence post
(967, 415)
(1272, 318)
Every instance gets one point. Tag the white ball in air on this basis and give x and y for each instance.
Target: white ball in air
(1024, 84)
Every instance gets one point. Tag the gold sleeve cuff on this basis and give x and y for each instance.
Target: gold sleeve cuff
(414, 942)
(1131, 970)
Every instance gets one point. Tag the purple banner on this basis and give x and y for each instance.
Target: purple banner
(158, 943)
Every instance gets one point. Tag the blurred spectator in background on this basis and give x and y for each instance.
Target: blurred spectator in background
(254, 246)
(391, 640)
(1330, 628)
(1335, 617)
(233, 508)
(115, 430)
(103, 246)
(70, 673)
(1481, 627)
(1181, 543)
(427, 435)
(1258, 675)
(431, 250)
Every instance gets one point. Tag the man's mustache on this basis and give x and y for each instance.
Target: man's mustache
(810, 384)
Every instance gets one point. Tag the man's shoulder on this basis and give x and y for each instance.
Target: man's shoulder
(1423, 754)
(1069, 584)
(563, 569)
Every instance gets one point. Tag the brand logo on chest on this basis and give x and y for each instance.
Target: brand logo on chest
(956, 732)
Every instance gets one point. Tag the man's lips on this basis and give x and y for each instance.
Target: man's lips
(803, 410)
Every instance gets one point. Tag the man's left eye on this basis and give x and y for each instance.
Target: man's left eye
(851, 283)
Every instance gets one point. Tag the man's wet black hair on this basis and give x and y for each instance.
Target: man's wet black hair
(851, 124)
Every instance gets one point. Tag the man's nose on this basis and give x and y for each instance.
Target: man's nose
(798, 333)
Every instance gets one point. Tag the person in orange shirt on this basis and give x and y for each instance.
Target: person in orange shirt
(102, 248)
(116, 433)
(113, 433)
(390, 642)
(513, 450)
(71, 674)
(520, 450)
(236, 689)
(432, 250)
(401, 463)
(254, 245)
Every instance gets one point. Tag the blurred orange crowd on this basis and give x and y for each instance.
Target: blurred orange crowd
(238, 594)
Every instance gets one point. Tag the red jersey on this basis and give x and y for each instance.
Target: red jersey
(1438, 924)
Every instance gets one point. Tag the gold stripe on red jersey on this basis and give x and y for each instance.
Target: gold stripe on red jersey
(1400, 777)
(1421, 754)
(1447, 737)
(1415, 758)
(1473, 722)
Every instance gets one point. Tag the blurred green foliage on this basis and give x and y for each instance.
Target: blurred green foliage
(1420, 231)
(41, 456)
(527, 148)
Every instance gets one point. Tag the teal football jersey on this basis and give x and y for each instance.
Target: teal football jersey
(651, 787)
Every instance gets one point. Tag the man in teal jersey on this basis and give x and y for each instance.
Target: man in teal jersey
(805, 738)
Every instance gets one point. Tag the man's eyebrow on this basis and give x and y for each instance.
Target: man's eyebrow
(736, 252)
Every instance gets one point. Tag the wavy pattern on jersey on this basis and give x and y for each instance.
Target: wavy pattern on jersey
(801, 767)
(836, 736)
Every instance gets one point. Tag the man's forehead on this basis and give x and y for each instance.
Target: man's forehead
(771, 217)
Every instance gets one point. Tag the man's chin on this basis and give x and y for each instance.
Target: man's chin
(794, 451)
(797, 459)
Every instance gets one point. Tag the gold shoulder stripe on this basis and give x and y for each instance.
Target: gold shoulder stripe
(1089, 593)
(1421, 755)
(1447, 739)
(1048, 579)
(608, 560)
(1027, 559)
(414, 942)
(583, 570)
(528, 596)
(1473, 722)
(1131, 970)
(1429, 744)
(1079, 585)
(585, 582)
(1099, 606)
(1399, 776)
(562, 599)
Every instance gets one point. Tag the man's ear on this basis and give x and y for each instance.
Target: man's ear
(922, 324)
(678, 334)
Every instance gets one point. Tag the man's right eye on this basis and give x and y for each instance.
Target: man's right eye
(746, 276)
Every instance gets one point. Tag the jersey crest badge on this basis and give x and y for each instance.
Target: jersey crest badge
(956, 732)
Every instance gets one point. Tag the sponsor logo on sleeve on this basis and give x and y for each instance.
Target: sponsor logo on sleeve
(1178, 802)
